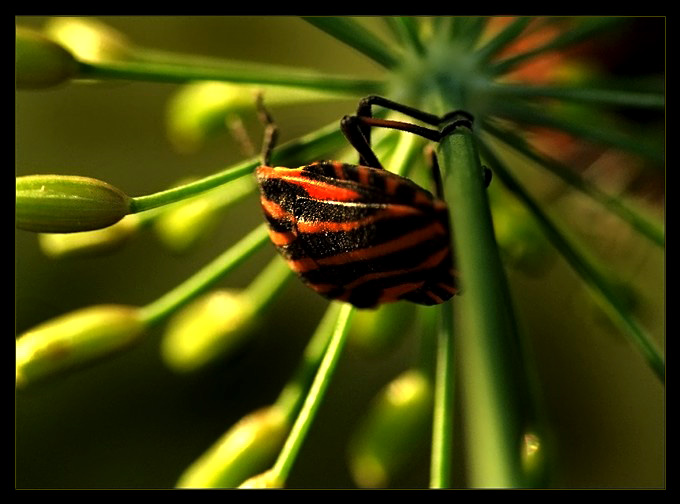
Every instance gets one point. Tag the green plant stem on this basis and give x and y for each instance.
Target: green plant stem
(492, 361)
(203, 280)
(646, 227)
(179, 193)
(584, 30)
(582, 94)
(606, 134)
(293, 394)
(268, 283)
(310, 146)
(303, 422)
(442, 426)
(589, 273)
(225, 71)
(406, 31)
(354, 35)
(503, 39)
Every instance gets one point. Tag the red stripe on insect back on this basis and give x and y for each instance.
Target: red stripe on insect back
(281, 239)
(395, 293)
(274, 210)
(316, 189)
(392, 212)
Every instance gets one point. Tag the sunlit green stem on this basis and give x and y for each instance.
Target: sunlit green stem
(288, 454)
(442, 427)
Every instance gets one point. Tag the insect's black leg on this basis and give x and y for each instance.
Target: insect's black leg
(488, 174)
(271, 131)
(353, 128)
(365, 104)
(436, 173)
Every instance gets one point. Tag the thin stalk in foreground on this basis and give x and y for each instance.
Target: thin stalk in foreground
(303, 422)
(585, 270)
(442, 426)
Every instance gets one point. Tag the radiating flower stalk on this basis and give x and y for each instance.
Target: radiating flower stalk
(439, 65)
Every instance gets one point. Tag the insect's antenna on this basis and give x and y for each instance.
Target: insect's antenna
(271, 131)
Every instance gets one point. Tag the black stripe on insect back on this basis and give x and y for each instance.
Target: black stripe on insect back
(364, 237)
(403, 259)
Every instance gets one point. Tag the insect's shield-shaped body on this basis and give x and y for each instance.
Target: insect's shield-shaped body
(359, 234)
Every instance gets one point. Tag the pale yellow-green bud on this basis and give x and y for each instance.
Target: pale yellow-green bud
(207, 329)
(246, 449)
(75, 339)
(523, 244)
(88, 39)
(67, 204)
(61, 245)
(40, 62)
(376, 331)
(534, 459)
(266, 479)
(201, 109)
(391, 430)
(183, 224)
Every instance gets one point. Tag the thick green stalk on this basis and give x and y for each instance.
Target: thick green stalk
(496, 390)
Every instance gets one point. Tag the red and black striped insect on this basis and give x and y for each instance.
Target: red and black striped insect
(359, 233)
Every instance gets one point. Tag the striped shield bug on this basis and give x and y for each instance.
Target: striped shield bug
(359, 233)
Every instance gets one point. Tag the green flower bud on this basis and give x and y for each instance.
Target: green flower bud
(41, 62)
(377, 331)
(207, 329)
(247, 448)
(67, 204)
(201, 109)
(523, 244)
(60, 245)
(533, 458)
(88, 39)
(262, 480)
(391, 430)
(75, 339)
